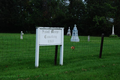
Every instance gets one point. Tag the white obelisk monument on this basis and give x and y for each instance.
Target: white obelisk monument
(112, 21)
(75, 37)
(113, 30)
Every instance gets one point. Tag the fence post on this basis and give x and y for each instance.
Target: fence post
(101, 47)
(56, 50)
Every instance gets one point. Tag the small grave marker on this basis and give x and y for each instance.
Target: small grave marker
(69, 32)
(88, 37)
(21, 35)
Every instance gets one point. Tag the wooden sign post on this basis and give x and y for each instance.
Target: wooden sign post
(46, 36)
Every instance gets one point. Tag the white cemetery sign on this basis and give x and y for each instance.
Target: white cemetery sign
(46, 36)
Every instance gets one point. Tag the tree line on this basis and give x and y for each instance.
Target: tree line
(91, 16)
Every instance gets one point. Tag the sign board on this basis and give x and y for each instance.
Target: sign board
(46, 36)
(50, 36)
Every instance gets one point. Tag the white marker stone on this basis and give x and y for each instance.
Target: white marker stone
(69, 32)
(21, 36)
(88, 37)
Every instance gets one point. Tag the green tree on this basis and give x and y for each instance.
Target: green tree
(97, 12)
(91, 18)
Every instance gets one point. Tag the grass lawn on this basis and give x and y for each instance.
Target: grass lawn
(17, 59)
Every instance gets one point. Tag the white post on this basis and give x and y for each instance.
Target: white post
(61, 48)
(113, 30)
(37, 48)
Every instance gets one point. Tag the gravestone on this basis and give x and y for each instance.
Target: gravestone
(113, 30)
(69, 32)
(21, 36)
(88, 37)
(75, 37)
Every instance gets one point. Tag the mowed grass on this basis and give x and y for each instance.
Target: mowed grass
(17, 59)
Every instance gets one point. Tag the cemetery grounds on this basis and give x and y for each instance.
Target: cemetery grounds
(17, 59)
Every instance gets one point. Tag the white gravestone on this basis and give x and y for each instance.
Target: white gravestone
(88, 37)
(21, 36)
(69, 32)
(113, 30)
(75, 37)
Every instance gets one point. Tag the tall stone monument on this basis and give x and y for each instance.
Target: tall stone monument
(75, 37)
(69, 32)
(113, 30)
(112, 21)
